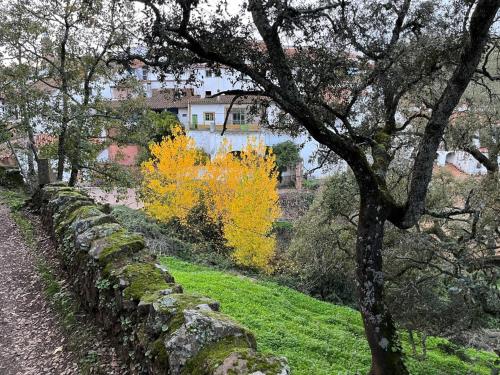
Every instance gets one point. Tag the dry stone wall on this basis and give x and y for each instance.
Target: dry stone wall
(160, 329)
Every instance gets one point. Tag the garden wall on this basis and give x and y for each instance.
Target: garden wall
(160, 329)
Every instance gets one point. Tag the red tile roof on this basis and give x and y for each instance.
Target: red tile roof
(170, 98)
(226, 99)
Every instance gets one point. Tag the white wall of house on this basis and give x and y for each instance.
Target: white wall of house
(462, 160)
(197, 114)
(183, 116)
(213, 82)
(209, 82)
(211, 143)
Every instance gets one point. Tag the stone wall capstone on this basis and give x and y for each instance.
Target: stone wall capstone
(160, 329)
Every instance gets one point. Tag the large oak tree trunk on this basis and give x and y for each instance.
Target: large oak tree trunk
(379, 325)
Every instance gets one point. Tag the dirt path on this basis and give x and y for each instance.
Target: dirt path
(31, 341)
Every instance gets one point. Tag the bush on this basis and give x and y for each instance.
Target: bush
(323, 246)
(139, 221)
(287, 155)
(198, 240)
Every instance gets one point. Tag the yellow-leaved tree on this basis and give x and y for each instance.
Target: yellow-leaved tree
(239, 191)
(172, 183)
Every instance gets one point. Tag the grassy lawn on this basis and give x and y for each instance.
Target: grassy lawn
(317, 337)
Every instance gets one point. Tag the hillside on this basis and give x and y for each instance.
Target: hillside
(317, 337)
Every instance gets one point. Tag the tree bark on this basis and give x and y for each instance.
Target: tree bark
(411, 339)
(379, 326)
(73, 178)
(61, 149)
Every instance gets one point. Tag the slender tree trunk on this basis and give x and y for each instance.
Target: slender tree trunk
(32, 151)
(379, 326)
(73, 178)
(75, 157)
(76, 160)
(423, 339)
(31, 170)
(411, 339)
(76, 153)
(61, 149)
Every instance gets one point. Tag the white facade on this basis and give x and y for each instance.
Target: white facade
(462, 160)
(207, 81)
(204, 119)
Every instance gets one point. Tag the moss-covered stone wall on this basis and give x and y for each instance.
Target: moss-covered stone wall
(160, 329)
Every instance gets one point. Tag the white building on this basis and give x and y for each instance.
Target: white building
(203, 116)
(462, 160)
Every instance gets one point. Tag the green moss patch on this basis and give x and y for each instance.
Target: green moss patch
(117, 244)
(78, 211)
(214, 355)
(159, 353)
(143, 278)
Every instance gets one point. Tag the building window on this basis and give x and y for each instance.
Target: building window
(119, 93)
(209, 116)
(239, 116)
(208, 73)
(208, 93)
(145, 71)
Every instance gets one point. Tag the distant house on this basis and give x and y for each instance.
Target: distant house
(202, 111)
(462, 160)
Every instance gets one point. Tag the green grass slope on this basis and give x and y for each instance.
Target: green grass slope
(317, 337)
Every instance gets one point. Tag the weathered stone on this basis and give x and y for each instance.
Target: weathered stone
(200, 329)
(232, 357)
(80, 225)
(83, 241)
(116, 244)
(43, 171)
(244, 363)
(76, 210)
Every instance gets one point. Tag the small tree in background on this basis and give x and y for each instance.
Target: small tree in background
(239, 192)
(287, 156)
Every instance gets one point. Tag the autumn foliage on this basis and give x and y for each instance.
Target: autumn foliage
(238, 191)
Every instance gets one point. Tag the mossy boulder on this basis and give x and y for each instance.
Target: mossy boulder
(89, 220)
(232, 357)
(76, 211)
(83, 241)
(117, 244)
(202, 327)
(144, 279)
